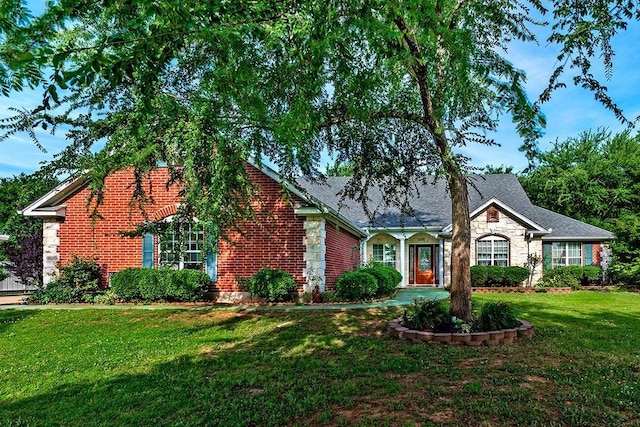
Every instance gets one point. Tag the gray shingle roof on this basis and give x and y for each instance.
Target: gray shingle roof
(432, 206)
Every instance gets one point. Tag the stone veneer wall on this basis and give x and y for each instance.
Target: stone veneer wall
(315, 253)
(50, 253)
(508, 227)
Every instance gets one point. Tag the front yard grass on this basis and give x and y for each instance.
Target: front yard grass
(274, 368)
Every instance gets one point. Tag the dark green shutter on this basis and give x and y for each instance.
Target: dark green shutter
(546, 256)
(147, 250)
(588, 254)
(212, 265)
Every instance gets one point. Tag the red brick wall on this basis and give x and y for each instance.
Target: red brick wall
(343, 253)
(79, 235)
(276, 242)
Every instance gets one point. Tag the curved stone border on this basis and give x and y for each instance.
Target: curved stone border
(473, 339)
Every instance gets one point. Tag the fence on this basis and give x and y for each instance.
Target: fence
(13, 284)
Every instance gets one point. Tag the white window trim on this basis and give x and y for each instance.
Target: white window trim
(566, 255)
(386, 247)
(493, 238)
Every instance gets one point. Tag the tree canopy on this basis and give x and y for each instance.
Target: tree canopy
(595, 177)
(391, 87)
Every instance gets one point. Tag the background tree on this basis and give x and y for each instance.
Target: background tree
(594, 177)
(23, 250)
(393, 87)
(339, 169)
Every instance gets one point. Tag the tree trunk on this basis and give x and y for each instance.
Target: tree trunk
(460, 244)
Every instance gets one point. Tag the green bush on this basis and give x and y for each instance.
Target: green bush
(588, 275)
(574, 276)
(479, 275)
(125, 283)
(78, 281)
(514, 276)
(425, 314)
(496, 315)
(155, 285)
(625, 273)
(356, 286)
(272, 284)
(495, 275)
(188, 285)
(387, 278)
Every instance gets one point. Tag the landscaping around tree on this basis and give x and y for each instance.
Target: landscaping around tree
(131, 367)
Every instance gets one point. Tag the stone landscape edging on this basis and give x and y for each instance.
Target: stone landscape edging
(472, 339)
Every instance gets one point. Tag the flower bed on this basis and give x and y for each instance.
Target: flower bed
(472, 339)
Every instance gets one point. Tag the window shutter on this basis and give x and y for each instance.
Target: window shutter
(546, 256)
(147, 250)
(212, 265)
(588, 254)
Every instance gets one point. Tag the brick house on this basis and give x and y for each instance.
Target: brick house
(308, 233)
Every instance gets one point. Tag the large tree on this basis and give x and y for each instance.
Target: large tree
(392, 87)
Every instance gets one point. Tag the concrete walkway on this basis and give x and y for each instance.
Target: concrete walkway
(404, 297)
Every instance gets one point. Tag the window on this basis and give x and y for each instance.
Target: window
(182, 250)
(493, 215)
(566, 253)
(493, 250)
(385, 253)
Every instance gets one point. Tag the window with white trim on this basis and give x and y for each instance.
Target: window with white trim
(385, 253)
(182, 249)
(492, 250)
(566, 253)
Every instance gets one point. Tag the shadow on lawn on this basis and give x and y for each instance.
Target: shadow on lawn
(306, 367)
(9, 317)
(290, 371)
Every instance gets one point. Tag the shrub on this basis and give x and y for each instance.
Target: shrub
(272, 284)
(625, 274)
(496, 315)
(514, 276)
(561, 277)
(479, 275)
(125, 283)
(387, 278)
(356, 286)
(495, 275)
(425, 314)
(77, 282)
(108, 297)
(155, 285)
(187, 285)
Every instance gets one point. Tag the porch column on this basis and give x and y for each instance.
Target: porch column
(315, 253)
(363, 251)
(50, 253)
(403, 262)
(441, 263)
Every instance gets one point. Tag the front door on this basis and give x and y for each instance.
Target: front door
(423, 265)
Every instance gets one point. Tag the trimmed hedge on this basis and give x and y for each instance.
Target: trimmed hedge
(498, 276)
(387, 278)
(356, 285)
(155, 285)
(273, 285)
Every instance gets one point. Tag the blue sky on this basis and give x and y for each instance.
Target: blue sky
(571, 110)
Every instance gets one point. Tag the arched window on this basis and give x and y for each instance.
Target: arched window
(492, 250)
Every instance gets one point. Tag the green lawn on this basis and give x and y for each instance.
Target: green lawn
(207, 367)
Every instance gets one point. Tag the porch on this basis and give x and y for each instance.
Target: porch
(419, 255)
